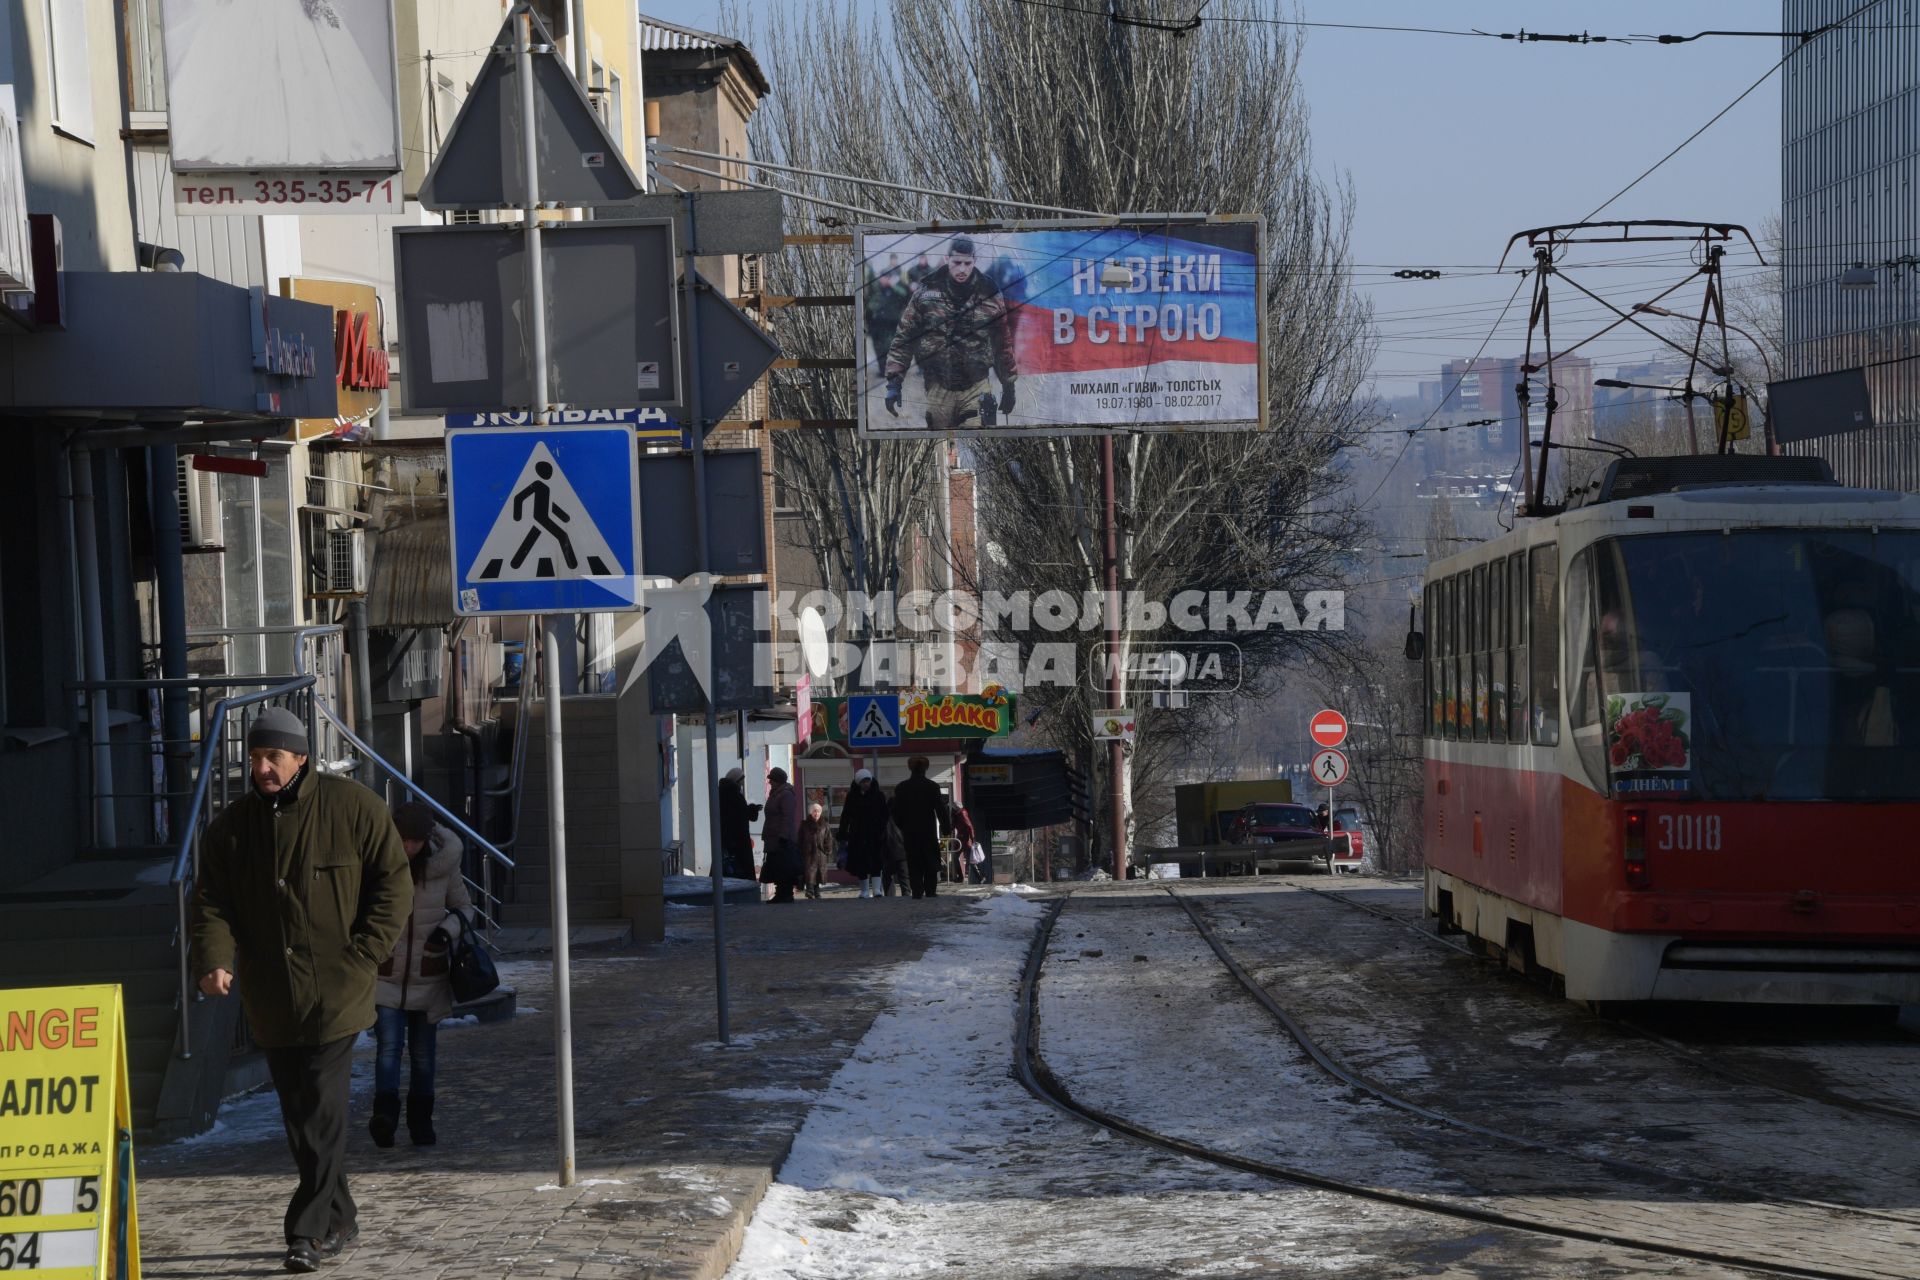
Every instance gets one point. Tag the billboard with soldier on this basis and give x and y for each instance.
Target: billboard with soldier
(1132, 324)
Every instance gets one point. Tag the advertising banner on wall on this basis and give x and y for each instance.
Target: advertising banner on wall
(1061, 328)
(283, 86)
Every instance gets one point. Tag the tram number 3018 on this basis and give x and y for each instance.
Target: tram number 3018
(1690, 832)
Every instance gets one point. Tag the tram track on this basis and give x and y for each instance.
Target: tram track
(1676, 1049)
(1031, 1069)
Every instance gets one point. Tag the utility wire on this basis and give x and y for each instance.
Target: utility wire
(1764, 77)
(1517, 285)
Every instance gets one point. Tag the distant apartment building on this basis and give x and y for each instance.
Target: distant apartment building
(1850, 221)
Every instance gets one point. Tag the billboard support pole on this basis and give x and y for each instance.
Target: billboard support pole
(549, 637)
(697, 428)
(1116, 750)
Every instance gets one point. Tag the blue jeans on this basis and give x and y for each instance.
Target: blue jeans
(395, 1028)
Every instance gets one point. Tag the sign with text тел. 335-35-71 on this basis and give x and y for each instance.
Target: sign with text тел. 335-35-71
(66, 1136)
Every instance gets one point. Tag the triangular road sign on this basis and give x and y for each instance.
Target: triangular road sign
(873, 725)
(543, 532)
(482, 164)
(734, 351)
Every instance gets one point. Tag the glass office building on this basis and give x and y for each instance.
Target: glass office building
(1850, 197)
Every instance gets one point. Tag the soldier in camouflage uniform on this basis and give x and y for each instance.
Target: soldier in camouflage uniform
(955, 326)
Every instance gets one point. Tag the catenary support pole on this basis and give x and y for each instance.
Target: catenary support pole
(689, 282)
(549, 637)
(1116, 749)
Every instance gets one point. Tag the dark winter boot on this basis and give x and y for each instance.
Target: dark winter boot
(386, 1118)
(420, 1120)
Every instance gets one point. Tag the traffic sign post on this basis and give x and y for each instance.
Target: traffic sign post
(557, 537)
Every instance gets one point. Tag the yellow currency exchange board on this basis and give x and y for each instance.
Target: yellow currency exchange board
(66, 1136)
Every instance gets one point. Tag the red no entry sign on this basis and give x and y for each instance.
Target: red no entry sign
(1329, 728)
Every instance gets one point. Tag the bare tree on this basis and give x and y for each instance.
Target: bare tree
(1061, 108)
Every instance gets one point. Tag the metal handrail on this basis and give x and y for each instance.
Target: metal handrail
(485, 845)
(184, 865)
(530, 679)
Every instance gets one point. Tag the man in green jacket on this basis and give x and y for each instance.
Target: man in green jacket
(303, 890)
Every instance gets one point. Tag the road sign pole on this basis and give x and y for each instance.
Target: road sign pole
(697, 428)
(550, 638)
(562, 958)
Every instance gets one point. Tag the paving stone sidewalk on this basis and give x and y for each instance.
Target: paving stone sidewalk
(677, 1136)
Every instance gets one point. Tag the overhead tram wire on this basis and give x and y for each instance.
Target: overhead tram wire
(1805, 39)
(1199, 19)
(1407, 443)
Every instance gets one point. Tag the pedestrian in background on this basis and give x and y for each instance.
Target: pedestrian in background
(781, 865)
(415, 990)
(816, 846)
(963, 834)
(920, 810)
(303, 890)
(863, 827)
(736, 836)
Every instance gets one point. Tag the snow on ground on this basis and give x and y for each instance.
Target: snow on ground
(926, 1157)
(1131, 981)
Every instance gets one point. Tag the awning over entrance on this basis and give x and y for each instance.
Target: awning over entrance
(160, 347)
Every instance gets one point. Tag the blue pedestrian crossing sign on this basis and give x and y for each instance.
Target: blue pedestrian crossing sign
(544, 520)
(873, 720)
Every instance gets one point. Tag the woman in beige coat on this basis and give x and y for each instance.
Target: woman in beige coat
(415, 991)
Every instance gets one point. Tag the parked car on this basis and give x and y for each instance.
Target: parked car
(1346, 821)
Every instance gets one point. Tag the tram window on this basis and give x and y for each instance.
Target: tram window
(1446, 659)
(1517, 645)
(1497, 649)
(1453, 656)
(1479, 596)
(1457, 721)
(1545, 706)
(1428, 668)
(1583, 696)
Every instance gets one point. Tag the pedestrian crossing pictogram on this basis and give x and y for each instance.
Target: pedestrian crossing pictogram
(874, 720)
(542, 528)
(545, 519)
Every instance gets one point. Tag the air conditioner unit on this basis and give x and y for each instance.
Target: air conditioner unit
(343, 567)
(199, 494)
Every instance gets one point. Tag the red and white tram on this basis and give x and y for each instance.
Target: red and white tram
(1673, 738)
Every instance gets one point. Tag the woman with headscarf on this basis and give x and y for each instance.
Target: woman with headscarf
(816, 846)
(736, 838)
(781, 864)
(864, 820)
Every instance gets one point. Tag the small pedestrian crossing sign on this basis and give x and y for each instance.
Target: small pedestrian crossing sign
(873, 720)
(544, 520)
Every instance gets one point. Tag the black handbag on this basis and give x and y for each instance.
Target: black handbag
(470, 969)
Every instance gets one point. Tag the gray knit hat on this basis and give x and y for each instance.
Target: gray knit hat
(277, 727)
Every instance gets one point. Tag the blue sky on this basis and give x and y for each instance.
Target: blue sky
(1453, 144)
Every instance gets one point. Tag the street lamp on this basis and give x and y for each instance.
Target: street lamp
(1685, 395)
(1857, 276)
(1766, 414)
